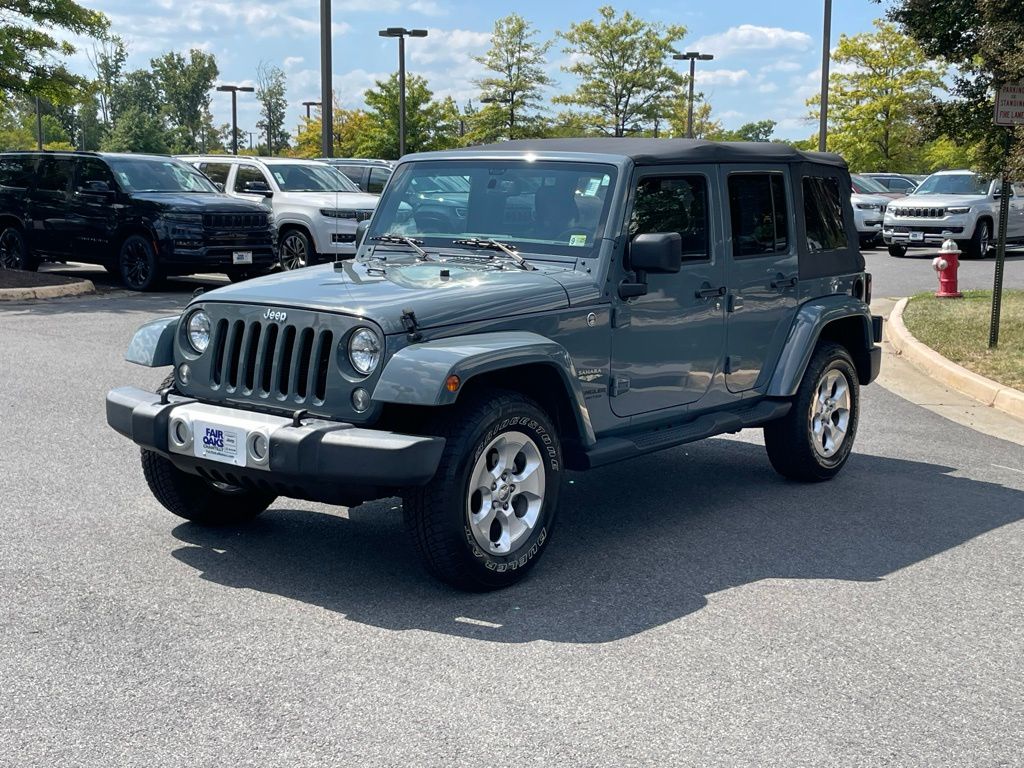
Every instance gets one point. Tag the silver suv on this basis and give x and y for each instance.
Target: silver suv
(961, 205)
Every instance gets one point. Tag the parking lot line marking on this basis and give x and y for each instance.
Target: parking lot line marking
(1012, 469)
(478, 622)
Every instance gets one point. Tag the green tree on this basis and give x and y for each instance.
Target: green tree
(137, 131)
(761, 130)
(138, 90)
(515, 83)
(877, 96)
(622, 63)
(184, 86)
(429, 124)
(704, 125)
(984, 41)
(108, 56)
(30, 49)
(271, 90)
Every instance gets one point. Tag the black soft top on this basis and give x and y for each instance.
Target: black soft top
(671, 151)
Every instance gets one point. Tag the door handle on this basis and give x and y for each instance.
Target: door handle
(787, 282)
(709, 293)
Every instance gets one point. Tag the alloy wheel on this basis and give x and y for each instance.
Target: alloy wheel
(135, 266)
(10, 251)
(830, 413)
(293, 252)
(506, 493)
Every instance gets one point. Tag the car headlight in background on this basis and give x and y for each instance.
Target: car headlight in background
(959, 209)
(364, 351)
(198, 330)
(869, 206)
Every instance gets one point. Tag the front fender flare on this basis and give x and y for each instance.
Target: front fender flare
(807, 326)
(153, 344)
(416, 375)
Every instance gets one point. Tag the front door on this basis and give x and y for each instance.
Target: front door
(667, 345)
(93, 211)
(762, 272)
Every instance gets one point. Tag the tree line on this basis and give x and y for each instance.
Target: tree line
(911, 95)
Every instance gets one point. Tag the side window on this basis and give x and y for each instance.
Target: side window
(216, 172)
(16, 171)
(354, 173)
(247, 173)
(378, 178)
(823, 214)
(90, 170)
(674, 204)
(757, 206)
(54, 174)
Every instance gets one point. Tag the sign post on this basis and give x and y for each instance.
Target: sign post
(1009, 112)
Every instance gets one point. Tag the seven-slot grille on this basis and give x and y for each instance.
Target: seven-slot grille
(234, 220)
(268, 359)
(920, 213)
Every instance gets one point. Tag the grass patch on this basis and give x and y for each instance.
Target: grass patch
(958, 330)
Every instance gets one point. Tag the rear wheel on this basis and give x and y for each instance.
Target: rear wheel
(813, 441)
(138, 265)
(897, 251)
(487, 516)
(14, 252)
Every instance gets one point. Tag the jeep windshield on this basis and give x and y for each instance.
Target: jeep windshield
(141, 174)
(954, 184)
(311, 178)
(539, 207)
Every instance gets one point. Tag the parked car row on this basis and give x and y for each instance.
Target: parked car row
(146, 217)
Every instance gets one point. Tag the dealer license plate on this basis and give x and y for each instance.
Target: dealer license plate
(241, 257)
(218, 443)
(917, 237)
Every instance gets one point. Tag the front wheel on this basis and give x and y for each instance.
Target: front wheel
(977, 247)
(487, 516)
(813, 441)
(137, 264)
(296, 250)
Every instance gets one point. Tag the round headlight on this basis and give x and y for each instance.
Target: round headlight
(364, 351)
(199, 331)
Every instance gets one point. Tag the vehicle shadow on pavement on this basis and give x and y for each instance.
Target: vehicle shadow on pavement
(638, 545)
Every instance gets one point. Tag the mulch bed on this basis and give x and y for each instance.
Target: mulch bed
(16, 278)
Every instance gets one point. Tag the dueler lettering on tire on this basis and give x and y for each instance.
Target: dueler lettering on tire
(487, 516)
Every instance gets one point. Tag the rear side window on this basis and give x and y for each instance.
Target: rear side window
(16, 171)
(674, 204)
(217, 172)
(823, 214)
(757, 207)
(54, 174)
(247, 173)
(378, 178)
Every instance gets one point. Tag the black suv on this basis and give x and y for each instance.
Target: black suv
(368, 174)
(140, 216)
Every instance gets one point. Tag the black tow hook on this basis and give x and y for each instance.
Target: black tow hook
(298, 416)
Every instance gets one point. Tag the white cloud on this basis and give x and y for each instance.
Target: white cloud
(726, 77)
(768, 87)
(291, 62)
(780, 66)
(458, 46)
(749, 37)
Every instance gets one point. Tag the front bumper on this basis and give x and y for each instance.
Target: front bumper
(320, 460)
(215, 258)
(922, 232)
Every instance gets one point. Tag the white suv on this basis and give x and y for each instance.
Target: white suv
(316, 207)
(961, 205)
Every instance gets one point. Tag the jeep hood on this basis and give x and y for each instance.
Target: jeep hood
(198, 202)
(470, 292)
(342, 201)
(940, 201)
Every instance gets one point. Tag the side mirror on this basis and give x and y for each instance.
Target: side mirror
(95, 188)
(219, 186)
(361, 228)
(258, 188)
(658, 252)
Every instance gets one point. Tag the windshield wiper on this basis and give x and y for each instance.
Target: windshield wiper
(495, 245)
(394, 239)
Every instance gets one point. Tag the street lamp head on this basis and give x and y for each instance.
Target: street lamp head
(392, 32)
(246, 89)
(417, 33)
(690, 55)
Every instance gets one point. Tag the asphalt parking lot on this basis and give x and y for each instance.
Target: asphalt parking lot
(695, 609)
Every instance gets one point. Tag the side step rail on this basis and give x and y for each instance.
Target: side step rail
(611, 449)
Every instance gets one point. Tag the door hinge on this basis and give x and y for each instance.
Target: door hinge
(620, 386)
(620, 316)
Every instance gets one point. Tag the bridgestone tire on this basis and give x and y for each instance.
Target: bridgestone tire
(788, 440)
(438, 516)
(193, 498)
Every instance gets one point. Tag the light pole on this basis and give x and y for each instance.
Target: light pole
(233, 90)
(326, 83)
(826, 44)
(693, 57)
(308, 105)
(401, 33)
(39, 127)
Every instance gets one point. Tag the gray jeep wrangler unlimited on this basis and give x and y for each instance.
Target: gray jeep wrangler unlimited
(515, 311)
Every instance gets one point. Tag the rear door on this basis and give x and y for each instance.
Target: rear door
(50, 203)
(762, 271)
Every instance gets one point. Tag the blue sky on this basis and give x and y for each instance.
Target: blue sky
(767, 55)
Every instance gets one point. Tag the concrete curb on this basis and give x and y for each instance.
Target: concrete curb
(47, 291)
(987, 391)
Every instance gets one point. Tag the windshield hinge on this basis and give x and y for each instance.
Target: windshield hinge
(409, 323)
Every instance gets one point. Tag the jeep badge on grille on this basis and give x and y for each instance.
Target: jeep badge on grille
(274, 314)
